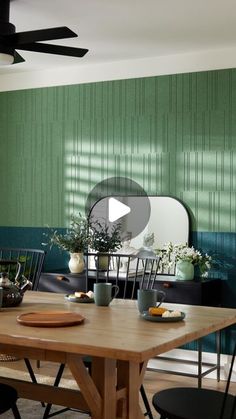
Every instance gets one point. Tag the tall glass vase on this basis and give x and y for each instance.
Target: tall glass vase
(184, 270)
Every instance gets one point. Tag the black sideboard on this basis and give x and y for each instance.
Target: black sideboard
(204, 292)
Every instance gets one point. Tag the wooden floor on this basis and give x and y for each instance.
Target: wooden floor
(153, 381)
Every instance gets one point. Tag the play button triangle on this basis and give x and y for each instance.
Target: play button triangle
(117, 210)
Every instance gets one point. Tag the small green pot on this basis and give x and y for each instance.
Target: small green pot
(102, 262)
(184, 270)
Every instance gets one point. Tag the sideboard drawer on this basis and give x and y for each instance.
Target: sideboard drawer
(196, 292)
(62, 283)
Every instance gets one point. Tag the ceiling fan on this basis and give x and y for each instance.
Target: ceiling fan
(10, 40)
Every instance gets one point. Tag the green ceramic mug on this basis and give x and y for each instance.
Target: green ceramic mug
(103, 293)
(149, 298)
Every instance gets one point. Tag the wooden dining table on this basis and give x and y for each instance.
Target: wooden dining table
(118, 340)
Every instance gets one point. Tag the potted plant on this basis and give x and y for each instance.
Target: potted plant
(104, 239)
(75, 240)
(185, 258)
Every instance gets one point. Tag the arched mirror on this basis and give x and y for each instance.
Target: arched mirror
(150, 222)
(164, 217)
(169, 222)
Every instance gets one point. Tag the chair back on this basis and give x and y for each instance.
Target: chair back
(224, 404)
(129, 272)
(30, 261)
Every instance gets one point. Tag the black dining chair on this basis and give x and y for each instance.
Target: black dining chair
(31, 261)
(201, 367)
(22, 263)
(196, 403)
(130, 273)
(8, 399)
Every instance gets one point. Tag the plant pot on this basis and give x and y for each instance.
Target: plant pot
(102, 262)
(184, 270)
(76, 263)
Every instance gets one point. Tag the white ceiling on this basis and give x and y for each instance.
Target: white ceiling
(124, 30)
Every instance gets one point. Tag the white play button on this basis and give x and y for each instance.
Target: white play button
(117, 210)
(118, 198)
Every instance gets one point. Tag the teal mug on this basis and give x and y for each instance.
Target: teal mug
(103, 293)
(149, 298)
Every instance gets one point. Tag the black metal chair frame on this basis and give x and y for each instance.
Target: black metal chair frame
(8, 400)
(199, 363)
(29, 264)
(31, 261)
(143, 276)
(176, 397)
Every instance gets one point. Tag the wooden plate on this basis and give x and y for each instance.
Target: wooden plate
(50, 319)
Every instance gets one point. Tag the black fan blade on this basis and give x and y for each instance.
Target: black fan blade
(21, 38)
(18, 58)
(54, 49)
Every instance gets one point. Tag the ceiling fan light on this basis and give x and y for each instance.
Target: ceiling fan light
(6, 59)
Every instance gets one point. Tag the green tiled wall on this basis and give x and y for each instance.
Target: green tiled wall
(175, 135)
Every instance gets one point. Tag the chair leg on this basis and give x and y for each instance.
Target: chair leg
(146, 403)
(233, 409)
(30, 370)
(15, 412)
(218, 350)
(199, 374)
(31, 373)
(56, 384)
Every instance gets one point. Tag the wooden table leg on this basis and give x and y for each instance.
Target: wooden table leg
(104, 375)
(99, 389)
(130, 375)
(86, 385)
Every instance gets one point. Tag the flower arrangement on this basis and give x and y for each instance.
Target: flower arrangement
(76, 239)
(172, 253)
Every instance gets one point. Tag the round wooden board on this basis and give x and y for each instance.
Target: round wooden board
(50, 319)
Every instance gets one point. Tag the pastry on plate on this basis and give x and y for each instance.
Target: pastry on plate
(81, 294)
(157, 311)
(90, 294)
(175, 313)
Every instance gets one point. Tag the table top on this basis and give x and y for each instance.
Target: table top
(117, 331)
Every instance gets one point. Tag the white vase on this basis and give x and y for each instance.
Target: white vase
(184, 270)
(76, 263)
